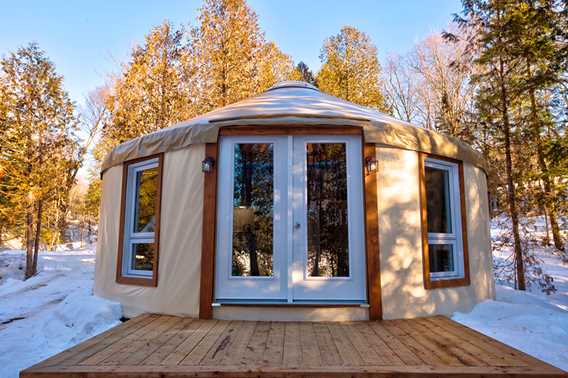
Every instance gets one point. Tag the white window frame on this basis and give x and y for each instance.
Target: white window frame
(455, 238)
(131, 237)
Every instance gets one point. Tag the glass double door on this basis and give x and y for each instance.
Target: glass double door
(290, 220)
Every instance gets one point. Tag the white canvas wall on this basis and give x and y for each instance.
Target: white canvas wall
(400, 242)
(180, 239)
(403, 292)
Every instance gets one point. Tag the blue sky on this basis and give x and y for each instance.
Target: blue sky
(89, 40)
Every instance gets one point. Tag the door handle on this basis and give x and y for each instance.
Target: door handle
(297, 225)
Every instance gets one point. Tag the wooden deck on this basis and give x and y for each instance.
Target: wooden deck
(167, 346)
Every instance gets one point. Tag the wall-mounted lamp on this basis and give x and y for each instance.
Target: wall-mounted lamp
(208, 164)
(371, 165)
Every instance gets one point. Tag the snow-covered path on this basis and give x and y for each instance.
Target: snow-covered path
(51, 311)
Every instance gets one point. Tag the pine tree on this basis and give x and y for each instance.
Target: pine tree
(351, 68)
(150, 93)
(536, 28)
(273, 66)
(224, 52)
(496, 98)
(37, 142)
(303, 73)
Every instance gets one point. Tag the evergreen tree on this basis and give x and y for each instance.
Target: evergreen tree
(536, 28)
(351, 68)
(150, 94)
(37, 143)
(303, 73)
(224, 53)
(273, 66)
(496, 98)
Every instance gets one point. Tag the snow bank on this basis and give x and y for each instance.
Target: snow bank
(523, 321)
(533, 322)
(50, 312)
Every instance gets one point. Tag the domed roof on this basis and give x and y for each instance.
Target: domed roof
(294, 103)
(293, 99)
(292, 84)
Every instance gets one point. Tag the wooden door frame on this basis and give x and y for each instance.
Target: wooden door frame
(208, 244)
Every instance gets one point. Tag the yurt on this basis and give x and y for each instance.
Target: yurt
(294, 205)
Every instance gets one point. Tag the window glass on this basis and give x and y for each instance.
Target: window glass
(142, 256)
(140, 218)
(328, 243)
(253, 194)
(145, 204)
(438, 204)
(441, 258)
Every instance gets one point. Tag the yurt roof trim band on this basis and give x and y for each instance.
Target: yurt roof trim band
(295, 104)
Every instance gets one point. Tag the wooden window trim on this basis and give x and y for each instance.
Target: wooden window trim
(442, 283)
(140, 281)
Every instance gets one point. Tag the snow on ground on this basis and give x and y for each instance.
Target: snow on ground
(51, 311)
(56, 309)
(533, 322)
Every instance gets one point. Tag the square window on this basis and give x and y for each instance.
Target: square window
(142, 256)
(441, 258)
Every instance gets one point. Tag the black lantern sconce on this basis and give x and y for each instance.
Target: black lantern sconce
(371, 165)
(208, 164)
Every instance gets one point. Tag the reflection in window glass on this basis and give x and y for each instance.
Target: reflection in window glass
(252, 209)
(142, 256)
(328, 253)
(441, 258)
(438, 200)
(145, 205)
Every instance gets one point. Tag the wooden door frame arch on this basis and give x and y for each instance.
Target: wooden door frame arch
(371, 221)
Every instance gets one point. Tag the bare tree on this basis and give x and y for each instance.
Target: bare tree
(399, 83)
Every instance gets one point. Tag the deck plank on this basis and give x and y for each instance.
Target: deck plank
(257, 344)
(346, 350)
(410, 343)
(368, 354)
(310, 353)
(211, 339)
(488, 343)
(196, 332)
(274, 352)
(149, 345)
(328, 351)
(237, 348)
(155, 346)
(377, 344)
(292, 348)
(178, 335)
(103, 354)
(85, 349)
(402, 351)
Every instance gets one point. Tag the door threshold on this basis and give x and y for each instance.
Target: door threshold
(292, 304)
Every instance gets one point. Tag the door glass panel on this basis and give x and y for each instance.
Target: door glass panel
(328, 253)
(438, 214)
(253, 194)
(145, 207)
(441, 258)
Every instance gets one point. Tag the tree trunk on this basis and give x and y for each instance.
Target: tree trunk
(548, 190)
(511, 195)
(29, 243)
(37, 234)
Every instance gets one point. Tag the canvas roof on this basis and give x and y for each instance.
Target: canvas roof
(295, 103)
